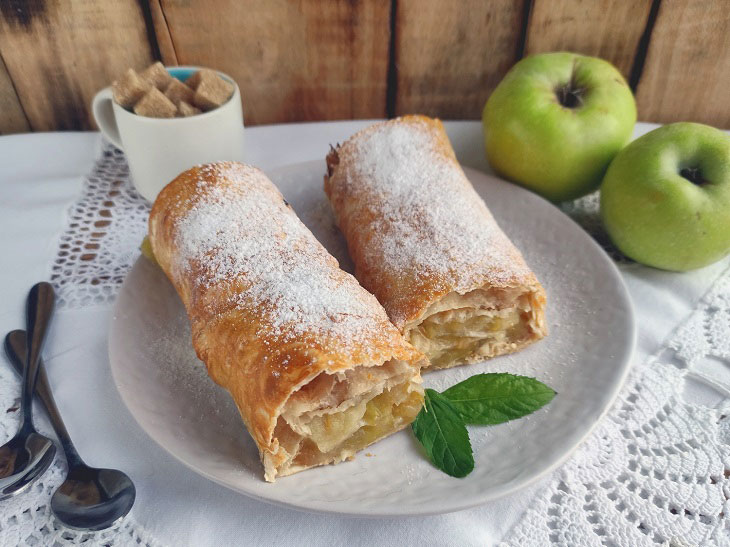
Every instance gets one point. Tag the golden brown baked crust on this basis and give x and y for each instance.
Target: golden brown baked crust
(271, 312)
(426, 245)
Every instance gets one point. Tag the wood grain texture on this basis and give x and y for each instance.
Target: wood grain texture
(686, 75)
(59, 53)
(162, 33)
(298, 60)
(12, 117)
(610, 29)
(450, 55)
(293, 61)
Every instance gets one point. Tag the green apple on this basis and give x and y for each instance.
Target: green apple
(556, 121)
(665, 200)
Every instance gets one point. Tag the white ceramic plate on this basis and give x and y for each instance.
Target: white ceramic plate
(585, 359)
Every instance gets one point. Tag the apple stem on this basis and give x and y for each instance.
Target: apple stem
(694, 175)
(570, 96)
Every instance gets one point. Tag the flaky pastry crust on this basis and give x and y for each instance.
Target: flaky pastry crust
(425, 244)
(293, 338)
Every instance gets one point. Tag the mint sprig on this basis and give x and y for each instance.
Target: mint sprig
(490, 399)
(482, 399)
(441, 430)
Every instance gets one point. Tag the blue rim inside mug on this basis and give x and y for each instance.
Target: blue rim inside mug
(180, 73)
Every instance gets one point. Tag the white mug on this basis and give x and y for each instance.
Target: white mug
(159, 149)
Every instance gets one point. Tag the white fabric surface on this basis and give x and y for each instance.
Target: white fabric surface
(41, 176)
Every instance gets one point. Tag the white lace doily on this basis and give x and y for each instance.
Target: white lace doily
(101, 239)
(26, 519)
(656, 471)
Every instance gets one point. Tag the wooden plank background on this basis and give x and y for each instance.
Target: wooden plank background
(298, 60)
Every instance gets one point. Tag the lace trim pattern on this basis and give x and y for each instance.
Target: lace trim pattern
(657, 470)
(26, 519)
(102, 235)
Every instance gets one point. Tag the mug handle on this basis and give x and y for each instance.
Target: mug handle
(104, 116)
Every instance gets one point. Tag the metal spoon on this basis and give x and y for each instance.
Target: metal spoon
(26, 456)
(89, 498)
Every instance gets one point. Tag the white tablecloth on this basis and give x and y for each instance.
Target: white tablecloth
(41, 175)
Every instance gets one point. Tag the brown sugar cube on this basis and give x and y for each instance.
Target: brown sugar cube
(185, 109)
(129, 89)
(193, 81)
(157, 76)
(155, 105)
(177, 91)
(212, 91)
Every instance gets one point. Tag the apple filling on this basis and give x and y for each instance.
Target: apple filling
(336, 415)
(477, 325)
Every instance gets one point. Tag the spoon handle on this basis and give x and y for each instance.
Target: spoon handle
(15, 348)
(39, 308)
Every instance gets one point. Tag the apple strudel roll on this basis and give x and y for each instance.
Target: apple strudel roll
(425, 244)
(310, 358)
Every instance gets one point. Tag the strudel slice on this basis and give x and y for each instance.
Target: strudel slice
(425, 244)
(315, 367)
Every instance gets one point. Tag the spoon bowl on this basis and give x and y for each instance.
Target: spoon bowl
(23, 459)
(28, 455)
(92, 498)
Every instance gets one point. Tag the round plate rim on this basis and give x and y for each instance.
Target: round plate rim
(319, 507)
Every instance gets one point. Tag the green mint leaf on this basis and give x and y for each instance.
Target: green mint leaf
(489, 399)
(441, 431)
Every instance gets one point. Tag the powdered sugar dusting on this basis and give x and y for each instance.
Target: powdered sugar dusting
(240, 232)
(426, 217)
